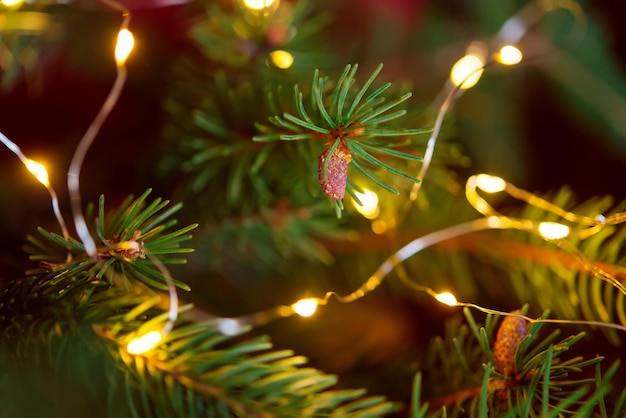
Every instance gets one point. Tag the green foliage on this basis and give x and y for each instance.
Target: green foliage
(236, 37)
(136, 229)
(202, 372)
(347, 116)
(586, 281)
(70, 320)
(545, 384)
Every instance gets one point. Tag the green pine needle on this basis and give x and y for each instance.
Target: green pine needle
(348, 114)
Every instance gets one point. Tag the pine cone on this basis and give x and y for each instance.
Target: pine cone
(511, 332)
(336, 172)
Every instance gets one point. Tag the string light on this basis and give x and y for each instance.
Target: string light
(41, 174)
(509, 55)
(464, 75)
(11, 3)
(281, 59)
(125, 43)
(466, 71)
(446, 298)
(38, 170)
(553, 230)
(490, 184)
(258, 4)
(308, 306)
(144, 343)
(305, 307)
(368, 206)
(449, 299)
(124, 46)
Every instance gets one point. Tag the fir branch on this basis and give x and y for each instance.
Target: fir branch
(357, 124)
(542, 384)
(195, 371)
(123, 245)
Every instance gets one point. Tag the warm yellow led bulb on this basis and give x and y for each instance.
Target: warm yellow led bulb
(446, 298)
(305, 307)
(144, 343)
(124, 46)
(38, 170)
(509, 55)
(369, 204)
(281, 59)
(258, 4)
(11, 3)
(467, 71)
(490, 184)
(553, 230)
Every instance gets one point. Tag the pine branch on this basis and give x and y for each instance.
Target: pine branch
(538, 382)
(349, 127)
(106, 300)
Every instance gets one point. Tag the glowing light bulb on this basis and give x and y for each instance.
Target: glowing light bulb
(369, 204)
(38, 170)
(305, 307)
(446, 298)
(509, 55)
(553, 230)
(494, 222)
(124, 46)
(281, 59)
(379, 226)
(11, 3)
(467, 71)
(258, 4)
(144, 343)
(490, 184)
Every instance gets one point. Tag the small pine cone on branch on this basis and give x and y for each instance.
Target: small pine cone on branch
(512, 331)
(334, 179)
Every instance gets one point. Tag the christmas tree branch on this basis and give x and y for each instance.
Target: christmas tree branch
(196, 369)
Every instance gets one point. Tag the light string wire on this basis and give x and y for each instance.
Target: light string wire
(124, 46)
(139, 343)
(493, 184)
(307, 306)
(39, 171)
(512, 31)
(73, 175)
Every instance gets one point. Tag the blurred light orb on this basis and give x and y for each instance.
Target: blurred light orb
(467, 71)
(258, 4)
(369, 204)
(281, 59)
(446, 298)
(38, 170)
(553, 230)
(490, 184)
(305, 307)
(509, 55)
